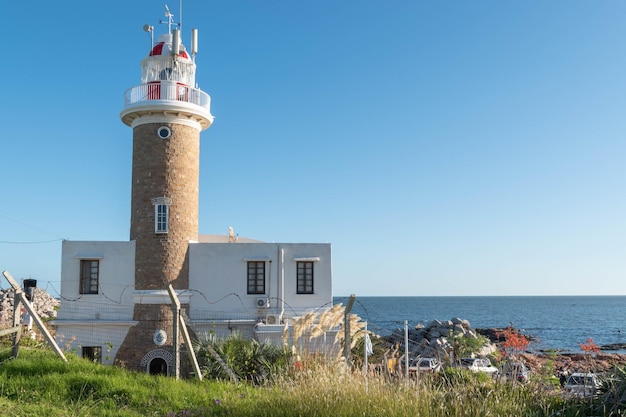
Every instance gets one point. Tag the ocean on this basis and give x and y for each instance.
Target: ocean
(555, 322)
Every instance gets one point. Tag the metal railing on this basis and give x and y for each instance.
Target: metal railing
(166, 90)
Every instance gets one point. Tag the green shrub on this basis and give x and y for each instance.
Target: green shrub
(613, 391)
(453, 376)
(466, 345)
(249, 360)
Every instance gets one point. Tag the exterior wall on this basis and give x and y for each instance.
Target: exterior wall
(109, 335)
(116, 279)
(218, 271)
(164, 168)
(101, 319)
(218, 299)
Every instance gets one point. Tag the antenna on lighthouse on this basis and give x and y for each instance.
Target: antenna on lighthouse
(150, 29)
(176, 42)
(180, 20)
(194, 42)
(170, 20)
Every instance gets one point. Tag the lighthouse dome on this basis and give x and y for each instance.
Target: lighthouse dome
(162, 65)
(164, 48)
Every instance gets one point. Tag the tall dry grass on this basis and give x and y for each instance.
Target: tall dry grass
(38, 383)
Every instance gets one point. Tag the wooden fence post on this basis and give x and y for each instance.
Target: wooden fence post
(19, 292)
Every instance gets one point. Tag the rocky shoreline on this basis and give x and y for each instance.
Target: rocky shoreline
(567, 362)
(437, 339)
(574, 362)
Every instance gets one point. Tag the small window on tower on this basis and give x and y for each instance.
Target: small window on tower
(161, 214)
(164, 132)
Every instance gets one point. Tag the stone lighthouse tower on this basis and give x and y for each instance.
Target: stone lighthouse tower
(167, 112)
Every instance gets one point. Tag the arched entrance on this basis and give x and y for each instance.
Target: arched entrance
(157, 362)
(157, 366)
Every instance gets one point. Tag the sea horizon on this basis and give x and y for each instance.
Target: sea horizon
(554, 322)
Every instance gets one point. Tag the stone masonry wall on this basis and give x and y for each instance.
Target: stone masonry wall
(139, 340)
(161, 168)
(164, 168)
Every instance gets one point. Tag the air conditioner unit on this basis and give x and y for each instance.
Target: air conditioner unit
(263, 303)
(272, 319)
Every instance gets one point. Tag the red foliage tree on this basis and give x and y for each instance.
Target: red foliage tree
(514, 342)
(590, 346)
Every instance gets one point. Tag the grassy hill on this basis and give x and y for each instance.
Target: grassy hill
(39, 384)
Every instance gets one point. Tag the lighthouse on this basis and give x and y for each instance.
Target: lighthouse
(116, 307)
(166, 112)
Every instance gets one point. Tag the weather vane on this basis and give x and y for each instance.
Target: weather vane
(170, 20)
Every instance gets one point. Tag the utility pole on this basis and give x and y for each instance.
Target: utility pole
(347, 353)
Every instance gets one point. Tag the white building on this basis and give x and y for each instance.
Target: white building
(115, 306)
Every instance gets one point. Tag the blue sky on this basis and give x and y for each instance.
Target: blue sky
(443, 148)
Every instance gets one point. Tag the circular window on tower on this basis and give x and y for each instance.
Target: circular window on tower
(164, 132)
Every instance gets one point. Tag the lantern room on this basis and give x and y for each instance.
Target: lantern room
(168, 61)
(168, 83)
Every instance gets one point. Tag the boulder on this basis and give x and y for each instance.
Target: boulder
(431, 340)
(464, 323)
(459, 329)
(44, 304)
(434, 324)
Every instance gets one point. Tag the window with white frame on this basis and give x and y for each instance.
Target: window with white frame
(89, 274)
(304, 277)
(161, 214)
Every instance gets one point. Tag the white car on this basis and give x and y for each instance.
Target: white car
(582, 384)
(479, 365)
(431, 365)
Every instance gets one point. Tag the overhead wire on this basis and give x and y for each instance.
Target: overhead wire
(57, 237)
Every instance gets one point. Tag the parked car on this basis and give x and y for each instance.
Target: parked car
(515, 371)
(582, 384)
(479, 365)
(431, 365)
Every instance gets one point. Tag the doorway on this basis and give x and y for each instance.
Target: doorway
(157, 366)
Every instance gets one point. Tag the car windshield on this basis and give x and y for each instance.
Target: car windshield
(580, 380)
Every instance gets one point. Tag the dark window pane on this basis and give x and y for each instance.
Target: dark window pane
(89, 272)
(304, 279)
(256, 277)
